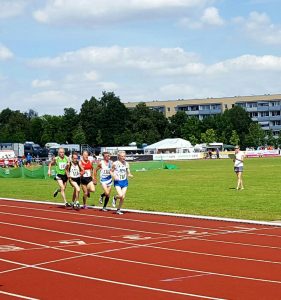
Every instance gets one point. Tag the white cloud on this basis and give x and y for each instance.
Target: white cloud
(91, 76)
(37, 83)
(150, 59)
(209, 17)
(107, 86)
(259, 27)
(51, 101)
(101, 12)
(5, 53)
(12, 8)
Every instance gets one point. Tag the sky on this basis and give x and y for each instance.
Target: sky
(58, 53)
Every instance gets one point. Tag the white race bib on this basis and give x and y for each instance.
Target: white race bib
(87, 173)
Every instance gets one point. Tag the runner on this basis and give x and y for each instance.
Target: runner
(238, 167)
(60, 163)
(88, 179)
(120, 171)
(73, 171)
(105, 178)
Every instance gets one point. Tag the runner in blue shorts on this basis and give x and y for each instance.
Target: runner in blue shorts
(120, 171)
(105, 178)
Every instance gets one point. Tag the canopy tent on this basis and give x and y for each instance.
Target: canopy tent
(176, 145)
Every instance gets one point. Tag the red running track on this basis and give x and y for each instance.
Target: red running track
(49, 252)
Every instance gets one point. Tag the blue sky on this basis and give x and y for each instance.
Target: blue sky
(57, 53)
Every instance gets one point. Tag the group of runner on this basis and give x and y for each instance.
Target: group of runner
(82, 173)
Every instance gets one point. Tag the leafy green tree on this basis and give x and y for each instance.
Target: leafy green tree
(255, 136)
(191, 130)
(234, 139)
(177, 122)
(99, 138)
(79, 136)
(270, 139)
(114, 118)
(70, 121)
(240, 122)
(90, 118)
(209, 136)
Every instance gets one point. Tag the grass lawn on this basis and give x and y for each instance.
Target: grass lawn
(203, 187)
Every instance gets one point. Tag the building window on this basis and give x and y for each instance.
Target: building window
(275, 113)
(169, 109)
(264, 114)
(225, 106)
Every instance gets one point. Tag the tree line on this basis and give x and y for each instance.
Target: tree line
(106, 121)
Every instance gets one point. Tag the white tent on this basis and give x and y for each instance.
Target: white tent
(170, 146)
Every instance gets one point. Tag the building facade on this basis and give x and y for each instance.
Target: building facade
(264, 109)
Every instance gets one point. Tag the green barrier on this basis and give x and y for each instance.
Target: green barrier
(41, 172)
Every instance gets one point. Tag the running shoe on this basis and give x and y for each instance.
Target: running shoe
(104, 209)
(114, 201)
(84, 207)
(67, 204)
(76, 205)
(119, 212)
(101, 199)
(56, 192)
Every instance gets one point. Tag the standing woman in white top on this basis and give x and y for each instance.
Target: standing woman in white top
(238, 167)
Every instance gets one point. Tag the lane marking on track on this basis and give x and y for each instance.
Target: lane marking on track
(126, 219)
(146, 232)
(17, 296)
(10, 248)
(88, 224)
(155, 243)
(117, 282)
(182, 278)
(98, 254)
(166, 214)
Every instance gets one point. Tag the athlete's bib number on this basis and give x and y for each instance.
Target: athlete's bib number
(87, 173)
(62, 165)
(122, 176)
(75, 173)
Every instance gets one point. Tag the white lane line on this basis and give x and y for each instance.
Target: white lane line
(17, 296)
(92, 225)
(155, 213)
(237, 243)
(98, 254)
(116, 282)
(181, 278)
(126, 219)
(176, 250)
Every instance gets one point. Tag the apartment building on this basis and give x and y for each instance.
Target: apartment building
(265, 109)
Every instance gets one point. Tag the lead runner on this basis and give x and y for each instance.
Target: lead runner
(120, 171)
(60, 163)
(105, 178)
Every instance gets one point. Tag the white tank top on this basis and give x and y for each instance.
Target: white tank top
(74, 171)
(105, 169)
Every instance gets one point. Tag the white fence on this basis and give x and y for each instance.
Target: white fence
(200, 155)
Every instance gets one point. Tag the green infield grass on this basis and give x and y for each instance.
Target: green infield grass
(203, 187)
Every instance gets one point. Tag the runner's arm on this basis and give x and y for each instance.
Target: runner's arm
(52, 162)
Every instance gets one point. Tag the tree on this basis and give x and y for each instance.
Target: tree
(90, 119)
(79, 136)
(209, 136)
(270, 139)
(191, 130)
(70, 121)
(240, 121)
(114, 118)
(177, 122)
(255, 136)
(234, 139)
